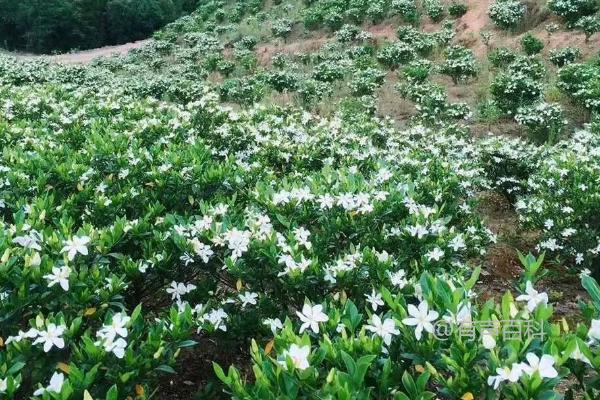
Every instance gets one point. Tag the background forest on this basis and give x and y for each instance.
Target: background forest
(59, 25)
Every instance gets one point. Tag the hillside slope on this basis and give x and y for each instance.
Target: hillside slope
(307, 200)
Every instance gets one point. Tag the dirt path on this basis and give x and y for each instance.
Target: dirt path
(85, 56)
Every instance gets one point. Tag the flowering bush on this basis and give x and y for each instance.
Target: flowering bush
(396, 54)
(565, 212)
(366, 81)
(582, 83)
(502, 57)
(507, 13)
(589, 25)
(459, 64)
(434, 9)
(572, 10)
(564, 56)
(513, 90)
(407, 10)
(544, 121)
(422, 42)
(282, 28)
(347, 33)
(394, 345)
(457, 10)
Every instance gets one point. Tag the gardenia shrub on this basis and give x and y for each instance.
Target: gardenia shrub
(282, 28)
(393, 346)
(513, 90)
(572, 10)
(545, 122)
(531, 45)
(395, 54)
(459, 64)
(407, 10)
(434, 9)
(582, 83)
(563, 205)
(507, 13)
(564, 56)
(457, 10)
(589, 25)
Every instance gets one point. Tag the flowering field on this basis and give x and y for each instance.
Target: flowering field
(229, 212)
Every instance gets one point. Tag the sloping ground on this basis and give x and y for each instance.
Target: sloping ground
(85, 56)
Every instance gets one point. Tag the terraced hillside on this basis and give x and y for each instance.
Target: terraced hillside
(314, 200)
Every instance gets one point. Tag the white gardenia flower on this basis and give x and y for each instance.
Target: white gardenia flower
(3, 385)
(463, 316)
(488, 341)
(594, 332)
(274, 324)
(421, 317)
(544, 366)
(55, 386)
(60, 276)
(117, 347)
(457, 243)
(505, 374)
(533, 297)
(579, 356)
(311, 316)
(176, 290)
(238, 242)
(31, 241)
(384, 329)
(299, 356)
(30, 334)
(374, 299)
(301, 235)
(435, 254)
(398, 278)
(202, 250)
(78, 244)
(116, 327)
(216, 318)
(51, 337)
(248, 298)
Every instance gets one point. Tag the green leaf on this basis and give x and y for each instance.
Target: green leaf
(166, 368)
(593, 289)
(187, 343)
(113, 393)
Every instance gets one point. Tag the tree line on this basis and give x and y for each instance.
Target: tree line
(43, 26)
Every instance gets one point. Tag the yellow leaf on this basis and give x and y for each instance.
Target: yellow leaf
(565, 325)
(89, 311)
(1, 341)
(419, 368)
(87, 395)
(64, 367)
(5, 256)
(343, 297)
(80, 187)
(238, 285)
(139, 390)
(467, 396)
(269, 346)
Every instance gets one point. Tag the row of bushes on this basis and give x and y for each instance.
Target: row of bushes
(60, 25)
